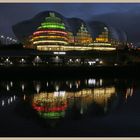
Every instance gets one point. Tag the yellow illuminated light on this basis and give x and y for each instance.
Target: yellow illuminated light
(69, 48)
(49, 37)
(98, 95)
(53, 41)
(83, 37)
(104, 48)
(101, 44)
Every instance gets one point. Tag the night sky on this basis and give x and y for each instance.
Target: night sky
(125, 16)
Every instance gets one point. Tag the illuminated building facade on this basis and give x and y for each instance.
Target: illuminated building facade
(104, 36)
(57, 33)
(83, 37)
(50, 34)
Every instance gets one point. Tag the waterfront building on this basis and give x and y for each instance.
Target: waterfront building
(51, 32)
(50, 35)
(83, 37)
(104, 36)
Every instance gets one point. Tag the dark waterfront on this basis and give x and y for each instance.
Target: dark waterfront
(70, 107)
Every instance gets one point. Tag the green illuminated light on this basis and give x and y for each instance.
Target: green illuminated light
(52, 26)
(51, 31)
(52, 23)
(51, 115)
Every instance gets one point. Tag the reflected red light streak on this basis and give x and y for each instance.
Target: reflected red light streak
(49, 109)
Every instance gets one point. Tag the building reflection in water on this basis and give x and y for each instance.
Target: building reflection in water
(53, 105)
(129, 92)
(50, 105)
(65, 99)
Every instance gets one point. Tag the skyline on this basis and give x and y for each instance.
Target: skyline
(110, 13)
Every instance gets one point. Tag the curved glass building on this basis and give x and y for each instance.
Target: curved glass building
(50, 34)
(57, 33)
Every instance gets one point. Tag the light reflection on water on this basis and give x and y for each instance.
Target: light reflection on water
(93, 106)
(52, 99)
(53, 105)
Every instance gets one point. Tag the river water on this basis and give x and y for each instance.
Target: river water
(92, 107)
